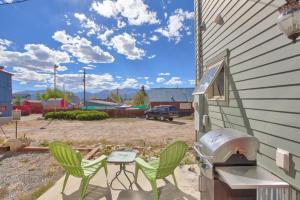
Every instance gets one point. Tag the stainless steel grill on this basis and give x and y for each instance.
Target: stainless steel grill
(219, 145)
(227, 161)
(224, 147)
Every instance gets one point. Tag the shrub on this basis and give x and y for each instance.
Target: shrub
(77, 115)
(92, 116)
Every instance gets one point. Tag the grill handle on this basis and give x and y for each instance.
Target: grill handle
(200, 154)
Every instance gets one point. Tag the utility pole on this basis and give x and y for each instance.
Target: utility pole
(84, 87)
(55, 68)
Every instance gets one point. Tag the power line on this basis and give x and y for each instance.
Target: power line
(84, 86)
(13, 2)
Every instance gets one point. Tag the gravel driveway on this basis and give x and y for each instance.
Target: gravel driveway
(120, 131)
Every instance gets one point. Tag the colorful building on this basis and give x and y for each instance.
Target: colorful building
(5, 93)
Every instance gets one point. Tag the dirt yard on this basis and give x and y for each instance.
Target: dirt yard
(118, 131)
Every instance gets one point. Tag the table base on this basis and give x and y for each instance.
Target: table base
(122, 169)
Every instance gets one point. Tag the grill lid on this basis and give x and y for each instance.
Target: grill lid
(221, 144)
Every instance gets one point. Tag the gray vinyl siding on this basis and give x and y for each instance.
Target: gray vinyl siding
(264, 79)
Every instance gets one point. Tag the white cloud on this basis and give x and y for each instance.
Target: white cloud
(68, 22)
(107, 8)
(152, 56)
(174, 81)
(104, 36)
(146, 77)
(192, 82)
(126, 44)
(62, 68)
(82, 49)
(25, 75)
(135, 11)
(89, 67)
(160, 79)
(129, 83)
(95, 82)
(36, 57)
(154, 38)
(5, 43)
(87, 23)
(149, 83)
(40, 86)
(164, 74)
(121, 24)
(176, 26)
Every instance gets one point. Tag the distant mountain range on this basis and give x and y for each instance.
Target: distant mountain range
(126, 93)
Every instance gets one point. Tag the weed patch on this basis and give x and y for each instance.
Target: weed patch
(37, 192)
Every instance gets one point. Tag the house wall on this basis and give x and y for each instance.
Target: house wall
(5, 94)
(264, 79)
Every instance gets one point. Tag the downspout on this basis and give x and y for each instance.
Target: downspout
(199, 64)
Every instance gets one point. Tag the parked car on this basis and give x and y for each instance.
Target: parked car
(161, 112)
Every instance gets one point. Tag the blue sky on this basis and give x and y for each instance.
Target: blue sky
(122, 43)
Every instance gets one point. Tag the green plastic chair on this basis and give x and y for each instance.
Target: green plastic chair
(74, 165)
(168, 160)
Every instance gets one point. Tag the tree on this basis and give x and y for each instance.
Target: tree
(17, 101)
(138, 98)
(51, 93)
(114, 96)
(38, 97)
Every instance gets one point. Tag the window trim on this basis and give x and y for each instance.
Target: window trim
(221, 56)
(223, 101)
(219, 64)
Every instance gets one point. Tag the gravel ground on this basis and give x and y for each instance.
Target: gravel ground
(118, 131)
(20, 173)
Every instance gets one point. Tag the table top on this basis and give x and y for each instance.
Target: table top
(121, 157)
(249, 177)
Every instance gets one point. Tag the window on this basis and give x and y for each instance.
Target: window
(209, 77)
(2, 108)
(217, 90)
(213, 82)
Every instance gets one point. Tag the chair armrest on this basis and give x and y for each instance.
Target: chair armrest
(96, 161)
(143, 164)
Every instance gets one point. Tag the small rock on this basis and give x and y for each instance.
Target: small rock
(192, 169)
(149, 148)
(14, 144)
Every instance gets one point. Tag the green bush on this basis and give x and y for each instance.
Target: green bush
(77, 115)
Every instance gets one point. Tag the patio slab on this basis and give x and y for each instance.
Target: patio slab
(99, 190)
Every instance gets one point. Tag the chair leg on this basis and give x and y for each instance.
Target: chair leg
(105, 168)
(175, 182)
(136, 173)
(83, 187)
(65, 182)
(154, 189)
